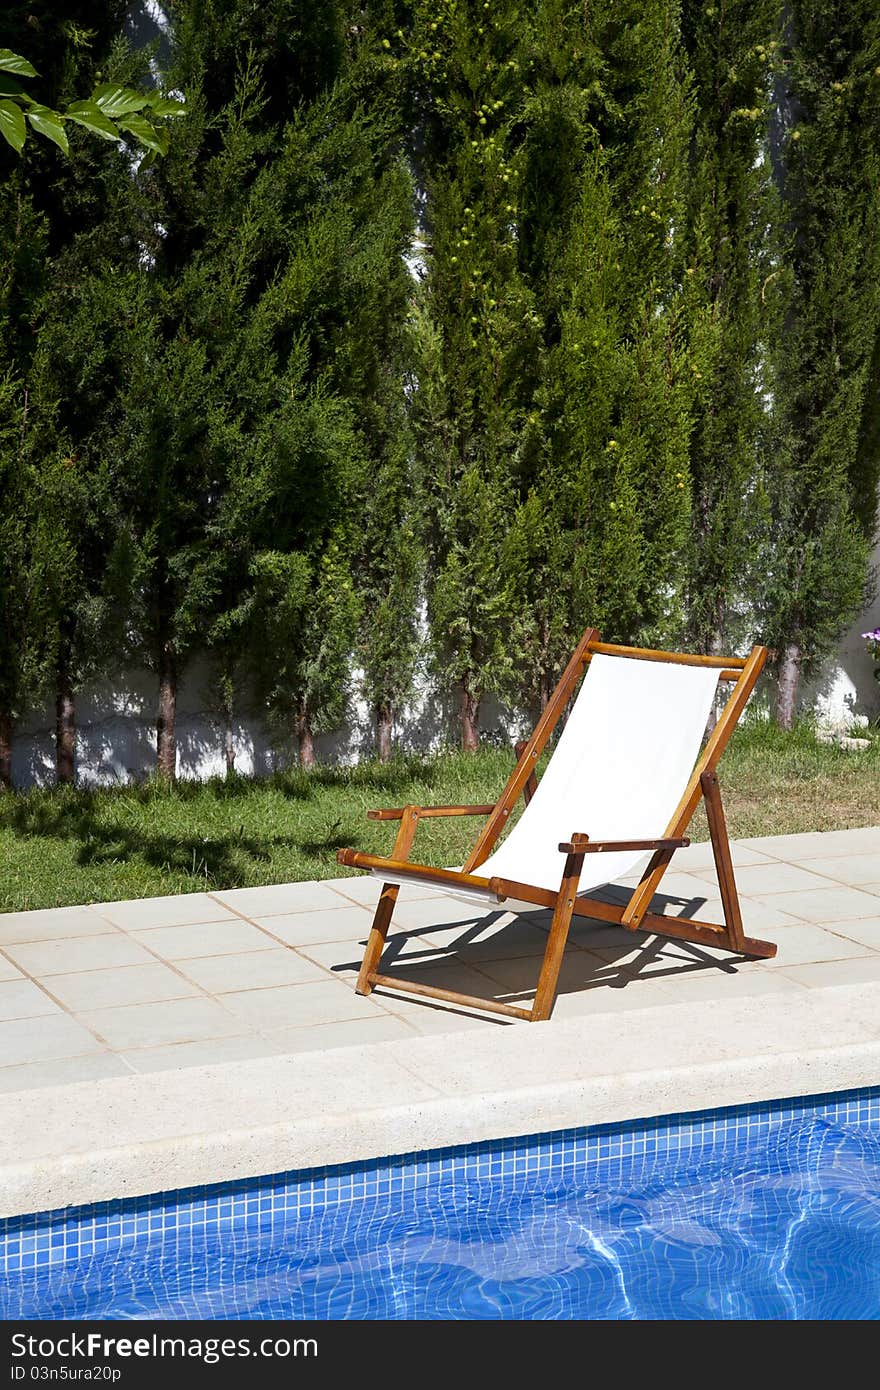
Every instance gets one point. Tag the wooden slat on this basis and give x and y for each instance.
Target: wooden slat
(431, 812)
(557, 937)
(715, 745)
(357, 859)
(531, 783)
(532, 751)
(676, 658)
(609, 846)
(449, 996)
(409, 824)
(721, 853)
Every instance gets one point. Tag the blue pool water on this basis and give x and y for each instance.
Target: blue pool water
(754, 1212)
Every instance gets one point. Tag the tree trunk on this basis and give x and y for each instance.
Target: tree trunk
(787, 683)
(305, 739)
(166, 738)
(470, 718)
(228, 742)
(5, 751)
(65, 725)
(383, 730)
(543, 689)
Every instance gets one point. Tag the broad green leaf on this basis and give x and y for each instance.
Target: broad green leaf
(90, 115)
(12, 126)
(49, 123)
(13, 62)
(145, 133)
(117, 101)
(165, 106)
(10, 88)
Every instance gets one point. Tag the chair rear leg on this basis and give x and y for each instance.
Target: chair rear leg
(545, 996)
(723, 860)
(386, 904)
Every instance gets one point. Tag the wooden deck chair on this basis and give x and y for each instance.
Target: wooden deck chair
(623, 783)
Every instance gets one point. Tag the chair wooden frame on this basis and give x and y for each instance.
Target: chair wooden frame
(742, 673)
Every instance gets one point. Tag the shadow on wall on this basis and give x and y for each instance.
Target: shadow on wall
(850, 687)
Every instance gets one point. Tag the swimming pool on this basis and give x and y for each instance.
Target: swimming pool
(764, 1211)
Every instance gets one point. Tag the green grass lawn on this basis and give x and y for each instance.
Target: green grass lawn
(64, 847)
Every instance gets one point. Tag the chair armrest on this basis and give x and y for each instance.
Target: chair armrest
(584, 845)
(430, 812)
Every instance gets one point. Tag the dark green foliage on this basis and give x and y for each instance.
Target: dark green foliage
(732, 215)
(822, 478)
(600, 536)
(476, 335)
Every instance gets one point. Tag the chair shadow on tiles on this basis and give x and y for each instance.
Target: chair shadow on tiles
(497, 955)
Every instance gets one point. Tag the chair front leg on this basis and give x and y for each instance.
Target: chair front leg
(387, 899)
(545, 996)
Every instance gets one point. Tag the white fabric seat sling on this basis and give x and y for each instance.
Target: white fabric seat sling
(615, 798)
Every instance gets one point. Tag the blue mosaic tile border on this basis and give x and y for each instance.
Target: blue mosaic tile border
(76, 1233)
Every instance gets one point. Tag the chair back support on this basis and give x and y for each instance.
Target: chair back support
(618, 772)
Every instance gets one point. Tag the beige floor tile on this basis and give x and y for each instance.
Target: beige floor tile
(501, 940)
(176, 910)
(213, 1052)
(855, 869)
(280, 898)
(343, 958)
(43, 958)
(766, 880)
(427, 1017)
(865, 930)
(150, 1025)
(251, 970)
(738, 983)
(52, 924)
(310, 928)
(643, 994)
(829, 974)
(697, 858)
(363, 888)
(8, 971)
(299, 1006)
(449, 974)
(761, 916)
(353, 1032)
(230, 937)
(22, 999)
(43, 1039)
(828, 904)
(810, 944)
(802, 848)
(128, 984)
(64, 1071)
(445, 913)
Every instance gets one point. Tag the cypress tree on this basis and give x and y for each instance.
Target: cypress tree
(735, 279)
(600, 535)
(822, 479)
(476, 335)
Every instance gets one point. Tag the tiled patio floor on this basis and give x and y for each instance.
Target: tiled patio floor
(162, 983)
